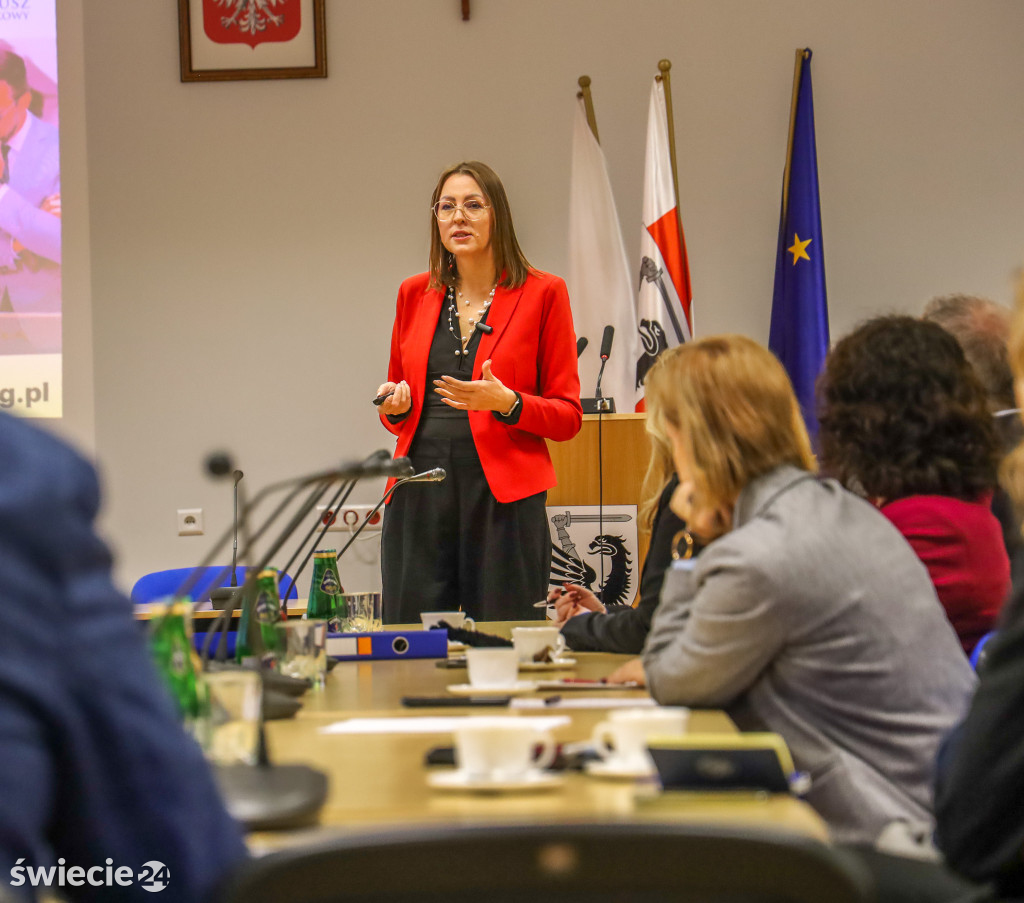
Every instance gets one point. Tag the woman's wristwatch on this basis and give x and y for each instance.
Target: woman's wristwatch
(511, 410)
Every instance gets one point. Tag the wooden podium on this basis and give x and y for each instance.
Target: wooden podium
(626, 453)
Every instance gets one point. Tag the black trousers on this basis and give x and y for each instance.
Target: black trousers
(452, 546)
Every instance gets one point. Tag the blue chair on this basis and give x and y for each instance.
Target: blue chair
(978, 653)
(160, 584)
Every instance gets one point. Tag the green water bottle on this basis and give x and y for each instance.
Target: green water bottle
(178, 663)
(325, 587)
(267, 611)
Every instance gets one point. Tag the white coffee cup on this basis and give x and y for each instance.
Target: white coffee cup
(530, 641)
(490, 667)
(501, 749)
(623, 736)
(431, 619)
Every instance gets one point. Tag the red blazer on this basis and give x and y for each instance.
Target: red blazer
(532, 350)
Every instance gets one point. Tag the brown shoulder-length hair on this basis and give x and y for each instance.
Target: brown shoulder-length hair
(509, 261)
(902, 412)
(730, 400)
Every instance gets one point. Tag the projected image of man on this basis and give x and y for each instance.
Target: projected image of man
(30, 239)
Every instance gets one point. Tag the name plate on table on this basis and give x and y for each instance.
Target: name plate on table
(388, 644)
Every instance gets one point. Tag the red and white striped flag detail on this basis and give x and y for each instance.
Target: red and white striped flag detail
(664, 298)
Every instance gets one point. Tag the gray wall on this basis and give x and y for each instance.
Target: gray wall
(247, 239)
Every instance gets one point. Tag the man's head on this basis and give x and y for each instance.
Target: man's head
(15, 96)
(982, 328)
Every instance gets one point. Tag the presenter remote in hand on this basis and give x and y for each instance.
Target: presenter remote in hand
(482, 370)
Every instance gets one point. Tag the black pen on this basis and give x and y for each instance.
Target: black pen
(380, 399)
(552, 700)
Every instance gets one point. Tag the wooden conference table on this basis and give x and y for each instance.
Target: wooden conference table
(379, 780)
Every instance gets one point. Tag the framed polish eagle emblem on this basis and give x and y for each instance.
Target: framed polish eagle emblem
(222, 40)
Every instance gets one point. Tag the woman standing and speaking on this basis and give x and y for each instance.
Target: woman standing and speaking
(482, 371)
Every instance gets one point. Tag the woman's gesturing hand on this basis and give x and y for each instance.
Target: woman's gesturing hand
(485, 394)
(397, 404)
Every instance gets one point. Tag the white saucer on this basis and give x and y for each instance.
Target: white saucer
(458, 780)
(618, 771)
(517, 689)
(558, 664)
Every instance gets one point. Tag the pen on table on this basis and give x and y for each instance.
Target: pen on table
(380, 399)
(552, 700)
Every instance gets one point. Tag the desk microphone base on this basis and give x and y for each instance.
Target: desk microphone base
(272, 797)
(598, 405)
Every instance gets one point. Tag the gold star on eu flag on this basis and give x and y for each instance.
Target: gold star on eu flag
(799, 248)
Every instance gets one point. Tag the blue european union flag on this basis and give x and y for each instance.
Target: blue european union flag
(799, 328)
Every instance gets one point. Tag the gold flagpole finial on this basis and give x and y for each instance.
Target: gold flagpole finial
(588, 105)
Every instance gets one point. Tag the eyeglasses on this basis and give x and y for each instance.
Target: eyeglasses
(471, 210)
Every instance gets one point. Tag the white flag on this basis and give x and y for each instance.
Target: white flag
(663, 303)
(600, 287)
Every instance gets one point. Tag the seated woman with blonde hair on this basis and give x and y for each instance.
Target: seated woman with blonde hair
(806, 614)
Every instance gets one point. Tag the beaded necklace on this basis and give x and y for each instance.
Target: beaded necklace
(462, 341)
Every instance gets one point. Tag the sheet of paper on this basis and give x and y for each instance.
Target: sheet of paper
(426, 725)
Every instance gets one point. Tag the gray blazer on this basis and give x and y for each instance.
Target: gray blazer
(813, 618)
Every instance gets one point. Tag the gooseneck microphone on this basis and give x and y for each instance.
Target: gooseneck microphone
(581, 345)
(428, 476)
(223, 596)
(234, 543)
(606, 350)
(379, 464)
(380, 460)
(436, 475)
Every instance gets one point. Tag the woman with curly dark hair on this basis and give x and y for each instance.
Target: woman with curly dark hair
(904, 421)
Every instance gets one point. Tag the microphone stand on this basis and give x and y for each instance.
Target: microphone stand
(333, 506)
(378, 464)
(353, 470)
(379, 458)
(376, 508)
(602, 404)
(223, 597)
(234, 544)
(358, 530)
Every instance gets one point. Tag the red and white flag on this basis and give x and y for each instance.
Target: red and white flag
(663, 302)
(599, 281)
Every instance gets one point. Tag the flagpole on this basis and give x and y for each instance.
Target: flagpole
(800, 56)
(663, 76)
(588, 105)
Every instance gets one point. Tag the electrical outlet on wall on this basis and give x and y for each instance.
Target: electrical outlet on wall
(348, 518)
(190, 522)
